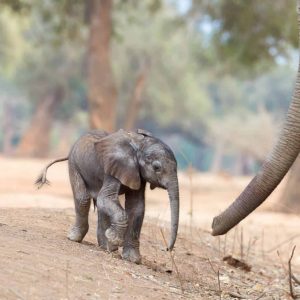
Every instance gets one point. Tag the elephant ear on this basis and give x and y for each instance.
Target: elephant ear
(119, 158)
(144, 132)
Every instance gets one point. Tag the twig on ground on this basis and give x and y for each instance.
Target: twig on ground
(235, 295)
(263, 244)
(282, 243)
(67, 280)
(105, 273)
(234, 238)
(259, 297)
(250, 245)
(242, 244)
(212, 267)
(219, 285)
(13, 291)
(218, 277)
(173, 261)
(296, 279)
(225, 244)
(294, 296)
(286, 270)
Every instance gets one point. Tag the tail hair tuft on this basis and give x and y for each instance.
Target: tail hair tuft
(41, 180)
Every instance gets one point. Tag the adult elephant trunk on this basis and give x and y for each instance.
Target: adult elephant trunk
(173, 192)
(282, 156)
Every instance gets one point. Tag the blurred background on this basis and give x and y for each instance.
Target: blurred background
(213, 79)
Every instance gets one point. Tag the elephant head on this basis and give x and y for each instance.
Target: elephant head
(133, 157)
(282, 156)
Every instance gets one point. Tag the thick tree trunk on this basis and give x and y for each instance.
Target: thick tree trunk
(102, 93)
(8, 129)
(135, 101)
(290, 199)
(216, 165)
(36, 139)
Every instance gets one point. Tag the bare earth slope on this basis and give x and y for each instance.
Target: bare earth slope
(38, 262)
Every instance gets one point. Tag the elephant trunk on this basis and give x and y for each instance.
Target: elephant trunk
(281, 158)
(173, 192)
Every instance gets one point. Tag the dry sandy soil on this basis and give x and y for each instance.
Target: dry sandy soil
(38, 262)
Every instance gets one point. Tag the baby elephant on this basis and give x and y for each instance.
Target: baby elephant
(103, 166)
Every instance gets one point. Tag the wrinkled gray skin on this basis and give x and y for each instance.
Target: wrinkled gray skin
(103, 166)
(283, 154)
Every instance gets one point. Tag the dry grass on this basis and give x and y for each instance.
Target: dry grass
(41, 263)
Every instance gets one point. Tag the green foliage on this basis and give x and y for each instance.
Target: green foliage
(174, 88)
(13, 45)
(216, 74)
(18, 6)
(247, 33)
(37, 58)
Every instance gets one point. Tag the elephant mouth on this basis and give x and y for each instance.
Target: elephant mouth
(155, 185)
(152, 186)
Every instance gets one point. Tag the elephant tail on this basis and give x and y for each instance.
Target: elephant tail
(42, 179)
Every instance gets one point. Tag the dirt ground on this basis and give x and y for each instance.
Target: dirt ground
(37, 261)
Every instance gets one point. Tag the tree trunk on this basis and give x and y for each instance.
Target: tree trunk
(135, 101)
(102, 93)
(8, 128)
(36, 139)
(216, 165)
(290, 200)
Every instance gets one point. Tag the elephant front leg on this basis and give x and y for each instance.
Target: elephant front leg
(135, 208)
(103, 225)
(109, 208)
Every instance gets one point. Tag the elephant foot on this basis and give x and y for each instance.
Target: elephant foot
(132, 255)
(77, 234)
(115, 237)
(108, 246)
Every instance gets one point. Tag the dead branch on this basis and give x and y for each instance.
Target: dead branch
(173, 262)
(235, 295)
(212, 267)
(294, 296)
(282, 243)
(263, 244)
(225, 244)
(286, 270)
(218, 277)
(242, 244)
(234, 238)
(250, 245)
(259, 297)
(219, 285)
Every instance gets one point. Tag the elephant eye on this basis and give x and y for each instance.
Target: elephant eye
(156, 166)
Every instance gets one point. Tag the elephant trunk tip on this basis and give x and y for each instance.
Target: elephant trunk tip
(218, 227)
(171, 246)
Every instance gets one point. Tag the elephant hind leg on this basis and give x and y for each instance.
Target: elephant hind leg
(82, 201)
